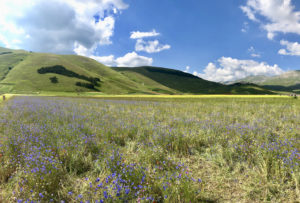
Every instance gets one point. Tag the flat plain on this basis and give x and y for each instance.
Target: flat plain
(150, 149)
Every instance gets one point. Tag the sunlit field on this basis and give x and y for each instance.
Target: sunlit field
(150, 149)
(5, 97)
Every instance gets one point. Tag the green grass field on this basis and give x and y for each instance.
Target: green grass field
(7, 97)
(150, 149)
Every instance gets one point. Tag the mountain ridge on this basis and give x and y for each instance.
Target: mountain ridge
(287, 81)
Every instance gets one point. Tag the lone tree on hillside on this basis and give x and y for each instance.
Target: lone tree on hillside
(54, 79)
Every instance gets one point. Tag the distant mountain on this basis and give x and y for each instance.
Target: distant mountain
(26, 72)
(288, 81)
(252, 79)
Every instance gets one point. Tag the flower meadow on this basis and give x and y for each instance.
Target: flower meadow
(56, 149)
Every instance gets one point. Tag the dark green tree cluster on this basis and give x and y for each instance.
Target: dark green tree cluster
(6, 52)
(54, 79)
(86, 85)
(61, 70)
(58, 69)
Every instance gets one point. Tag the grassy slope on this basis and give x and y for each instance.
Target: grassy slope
(18, 74)
(288, 81)
(238, 88)
(8, 60)
(187, 83)
(24, 76)
(173, 79)
(253, 79)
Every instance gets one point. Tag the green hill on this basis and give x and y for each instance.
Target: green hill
(8, 60)
(20, 74)
(183, 82)
(27, 72)
(288, 81)
(173, 79)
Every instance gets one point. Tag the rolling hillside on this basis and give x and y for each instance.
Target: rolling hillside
(185, 82)
(173, 79)
(20, 74)
(288, 81)
(8, 59)
(27, 72)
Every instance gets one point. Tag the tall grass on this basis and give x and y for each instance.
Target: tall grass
(186, 150)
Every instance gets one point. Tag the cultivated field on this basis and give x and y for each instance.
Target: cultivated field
(150, 149)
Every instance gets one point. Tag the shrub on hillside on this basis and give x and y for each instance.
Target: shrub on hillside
(54, 79)
(86, 85)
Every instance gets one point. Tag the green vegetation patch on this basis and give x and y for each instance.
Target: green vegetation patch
(6, 52)
(58, 69)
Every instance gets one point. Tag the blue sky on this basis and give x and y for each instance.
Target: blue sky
(217, 40)
(197, 35)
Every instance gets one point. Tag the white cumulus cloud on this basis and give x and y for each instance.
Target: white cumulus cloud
(133, 60)
(139, 35)
(292, 48)
(279, 16)
(249, 12)
(58, 26)
(106, 60)
(150, 46)
(229, 69)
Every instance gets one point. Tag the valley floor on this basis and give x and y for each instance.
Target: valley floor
(208, 148)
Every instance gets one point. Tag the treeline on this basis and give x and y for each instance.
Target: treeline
(86, 85)
(6, 52)
(58, 69)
